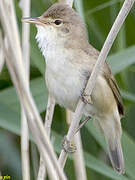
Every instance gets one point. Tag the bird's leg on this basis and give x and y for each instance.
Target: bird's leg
(82, 124)
(86, 98)
(68, 146)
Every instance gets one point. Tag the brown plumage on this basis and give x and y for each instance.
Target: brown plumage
(69, 62)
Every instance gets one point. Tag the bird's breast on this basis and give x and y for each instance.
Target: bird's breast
(64, 79)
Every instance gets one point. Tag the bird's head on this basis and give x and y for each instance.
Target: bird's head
(58, 24)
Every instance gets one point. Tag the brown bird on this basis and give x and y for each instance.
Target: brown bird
(70, 59)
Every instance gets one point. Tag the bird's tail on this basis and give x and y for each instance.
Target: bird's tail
(116, 155)
(111, 129)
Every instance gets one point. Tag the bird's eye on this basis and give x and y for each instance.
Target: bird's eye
(57, 22)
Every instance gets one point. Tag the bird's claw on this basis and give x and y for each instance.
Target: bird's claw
(68, 146)
(86, 98)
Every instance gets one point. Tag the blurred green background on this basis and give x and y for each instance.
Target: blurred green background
(99, 17)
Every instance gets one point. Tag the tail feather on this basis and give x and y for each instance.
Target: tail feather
(116, 156)
(111, 129)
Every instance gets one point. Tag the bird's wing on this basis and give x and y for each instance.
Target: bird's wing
(113, 85)
(106, 72)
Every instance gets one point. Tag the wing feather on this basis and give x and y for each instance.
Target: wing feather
(115, 89)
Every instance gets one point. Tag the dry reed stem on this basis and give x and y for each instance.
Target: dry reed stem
(49, 114)
(80, 171)
(25, 6)
(127, 5)
(47, 124)
(25, 146)
(78, 158)
(24, 140)
(19, 77)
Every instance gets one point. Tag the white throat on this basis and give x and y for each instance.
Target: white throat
(48, 40)
(45, 39)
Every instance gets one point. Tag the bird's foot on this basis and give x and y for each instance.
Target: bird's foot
(86, 99)
(68, 146)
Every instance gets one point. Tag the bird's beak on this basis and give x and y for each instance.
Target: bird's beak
(35, 20)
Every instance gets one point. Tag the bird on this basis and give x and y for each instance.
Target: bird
(62, 39)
